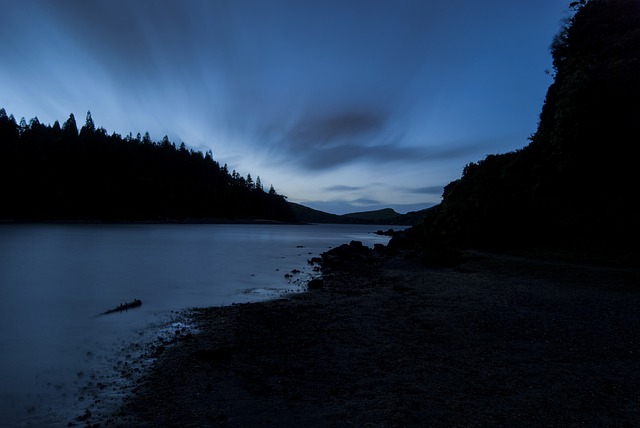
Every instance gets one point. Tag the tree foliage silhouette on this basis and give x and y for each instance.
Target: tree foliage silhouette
(57, 173)
(70, 128)
(89, 127)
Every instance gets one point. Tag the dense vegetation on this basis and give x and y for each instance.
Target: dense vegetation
(575, 184)
(57, 173)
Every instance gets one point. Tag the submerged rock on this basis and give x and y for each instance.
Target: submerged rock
(124, 307)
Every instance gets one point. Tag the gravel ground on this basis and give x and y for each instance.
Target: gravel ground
(495, 341)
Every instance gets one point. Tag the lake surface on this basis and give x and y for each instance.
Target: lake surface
(59, 357)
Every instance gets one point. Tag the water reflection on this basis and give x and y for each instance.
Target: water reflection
(58, 356)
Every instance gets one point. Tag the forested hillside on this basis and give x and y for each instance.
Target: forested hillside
(60, 173)
(576, 182)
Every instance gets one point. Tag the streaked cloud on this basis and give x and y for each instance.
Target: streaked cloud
(311, 96)
(428, 190)
(342, 188)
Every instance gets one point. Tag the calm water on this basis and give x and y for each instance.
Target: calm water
(58, 357)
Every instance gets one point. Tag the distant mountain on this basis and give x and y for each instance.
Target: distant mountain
(309, 215)
(385, 216)
(411, 218)
(377, 215)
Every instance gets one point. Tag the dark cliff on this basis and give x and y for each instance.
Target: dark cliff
(575, 183)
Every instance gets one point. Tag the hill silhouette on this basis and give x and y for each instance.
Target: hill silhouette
(60, 173)
(386, 216)
(377, 215)
(310, 215)
(575, 183)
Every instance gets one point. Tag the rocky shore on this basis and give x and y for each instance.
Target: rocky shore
(383, 340)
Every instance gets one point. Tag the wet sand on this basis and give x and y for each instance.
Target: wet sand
(496, 340)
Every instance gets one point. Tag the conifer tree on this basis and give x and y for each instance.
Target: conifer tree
(89, 128)
(70, 128)
(88, 124)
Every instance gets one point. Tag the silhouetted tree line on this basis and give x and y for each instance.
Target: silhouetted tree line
(576, 183)
(62, 173)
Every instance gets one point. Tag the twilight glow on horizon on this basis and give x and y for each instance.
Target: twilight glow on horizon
(342, 105)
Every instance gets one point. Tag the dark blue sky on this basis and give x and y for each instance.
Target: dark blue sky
(341, 105)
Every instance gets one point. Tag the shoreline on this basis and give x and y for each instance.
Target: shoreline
(495, 340)
(143, 222)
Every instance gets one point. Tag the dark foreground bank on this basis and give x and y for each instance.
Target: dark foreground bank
(496, 340)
